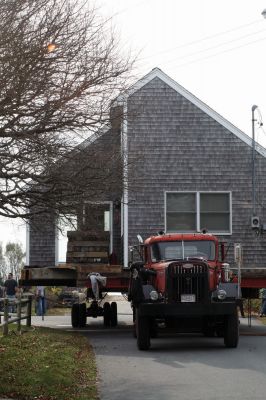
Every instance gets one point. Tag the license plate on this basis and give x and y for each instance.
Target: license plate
(188, 298)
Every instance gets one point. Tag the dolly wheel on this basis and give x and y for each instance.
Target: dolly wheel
(143, 331)
(113, 313)
(107, 314)
(231, 330)
(75, 315)
(82, 315)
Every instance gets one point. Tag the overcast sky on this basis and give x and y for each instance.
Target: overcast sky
(216, 49)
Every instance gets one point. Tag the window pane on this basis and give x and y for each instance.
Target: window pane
(215, 222)
(166, 250)
(179, 202)
(181, 222)
(214, 202)
(200, 248)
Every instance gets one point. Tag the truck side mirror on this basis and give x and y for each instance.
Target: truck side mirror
(140, 239)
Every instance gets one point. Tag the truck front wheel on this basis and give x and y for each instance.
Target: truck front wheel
(231, 330)
(143, 331)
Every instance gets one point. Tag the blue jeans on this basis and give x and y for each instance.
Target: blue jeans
(41, 306)
(263, 306)
(11, 308)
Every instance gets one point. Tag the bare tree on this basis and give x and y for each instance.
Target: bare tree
(59, 69)
(14, 256)
(3, 266)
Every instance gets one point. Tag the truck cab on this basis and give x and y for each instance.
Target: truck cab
(184, 284)
(164, 249)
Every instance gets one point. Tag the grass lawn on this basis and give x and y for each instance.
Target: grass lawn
(58, 311)
(263, 320)
(44, 364)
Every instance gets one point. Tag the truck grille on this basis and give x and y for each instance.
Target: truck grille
(187, 278)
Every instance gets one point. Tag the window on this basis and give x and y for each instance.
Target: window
(180, 250)
(194, 211)
(215, 212)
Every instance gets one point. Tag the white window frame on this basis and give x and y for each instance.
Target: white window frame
(198, 193)
(57, 239)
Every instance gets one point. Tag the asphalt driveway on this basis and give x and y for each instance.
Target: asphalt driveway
(176, 367)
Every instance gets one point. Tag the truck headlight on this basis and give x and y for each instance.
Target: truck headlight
(154, 295)
(221, 294)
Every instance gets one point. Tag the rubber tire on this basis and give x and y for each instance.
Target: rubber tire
(107, 314)
(134, 331)
(113, 313)
(143, 331)
(231, 330)
(94, 309)
(75, 315)
(82, 315)
(134, 322)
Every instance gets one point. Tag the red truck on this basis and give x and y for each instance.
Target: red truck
(184, 284)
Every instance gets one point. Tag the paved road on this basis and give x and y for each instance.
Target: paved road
(176, 368)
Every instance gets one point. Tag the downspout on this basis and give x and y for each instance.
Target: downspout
(27, 244)
(56, 240)
(56, 247)
(125, 183)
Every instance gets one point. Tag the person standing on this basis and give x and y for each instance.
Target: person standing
(263, 302)
(1, 295)
(40, 300)
(10, 288)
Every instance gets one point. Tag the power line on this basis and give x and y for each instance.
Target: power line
(130, 7)
(217, 46)
(201, 40)
(217, 54)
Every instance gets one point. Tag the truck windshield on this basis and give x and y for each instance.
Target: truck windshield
(179, 250)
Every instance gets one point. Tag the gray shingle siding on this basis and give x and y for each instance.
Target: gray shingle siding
(104, 154)
(42, 240)
(174, 146)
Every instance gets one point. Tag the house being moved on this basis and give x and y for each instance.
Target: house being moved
(185, 169)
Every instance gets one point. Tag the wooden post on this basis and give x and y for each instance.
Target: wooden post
(5, 328)
(19, 313)
(29, 305)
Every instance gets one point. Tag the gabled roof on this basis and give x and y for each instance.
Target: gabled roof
(157, 73)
